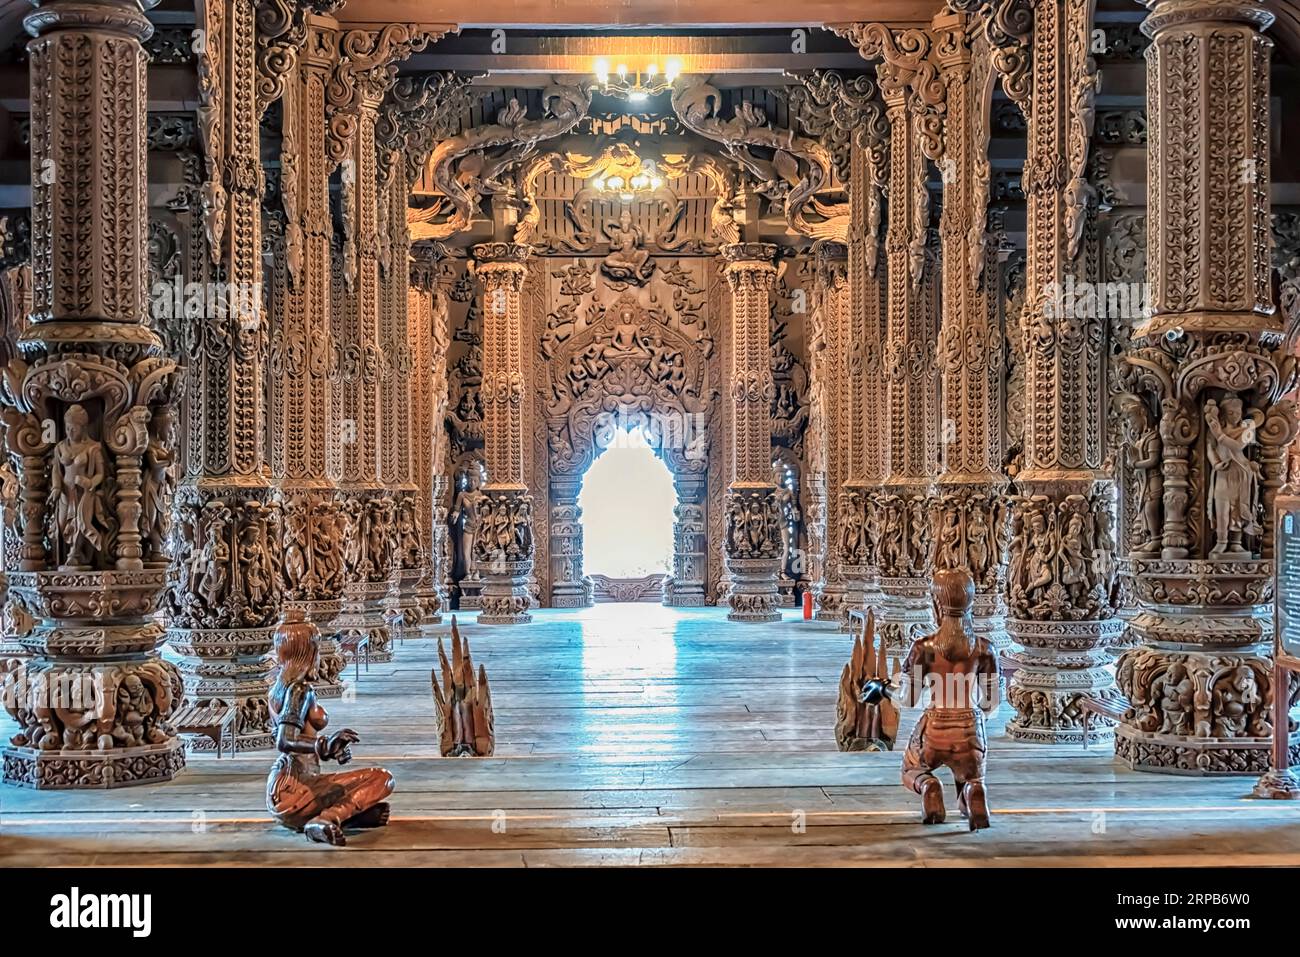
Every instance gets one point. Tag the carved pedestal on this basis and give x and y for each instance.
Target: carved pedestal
(753, 553)
(503, 553)
(906, 608)
(1059, 621)
(366, 523)
(568, 589)
(314, 570)
(1200, 685)
(687, 587)
(225, 590)
(92, 705)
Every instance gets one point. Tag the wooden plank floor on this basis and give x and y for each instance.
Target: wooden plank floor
(635, 734)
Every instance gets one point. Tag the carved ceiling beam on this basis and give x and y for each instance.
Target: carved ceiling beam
(799, 168)
(419, 112)
(850, 112)
(482, 161)
(364, 72)
(905, 61)
(1008, 25)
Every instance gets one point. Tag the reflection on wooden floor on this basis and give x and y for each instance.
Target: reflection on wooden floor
(635, 734)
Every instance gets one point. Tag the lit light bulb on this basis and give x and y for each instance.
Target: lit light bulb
(599, 183)
(672, 70)
(602, 70)
(615, 182)
(652, 70)
(622, 70)
(655, 182)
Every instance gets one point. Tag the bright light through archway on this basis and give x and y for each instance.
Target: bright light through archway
(627, 503)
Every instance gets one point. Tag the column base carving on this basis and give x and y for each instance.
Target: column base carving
(329, 683)
(505, 599)
(1200, 681)
(362, 615)
(905, 612)
(1057, 662)
(828, 600)
(402, 609)
(93, 703)
(684, 594)
(91, 769)
(429, 598)
(753, 596)
(1278, 785)
(231, 667)
(861, 586)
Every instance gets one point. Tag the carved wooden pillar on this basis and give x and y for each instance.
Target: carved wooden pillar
(831, 391)
(868, 383)
(753, 548)
(570, 588)
(913, 387)
(397, 401)
(228, 557)
(503, 545)
(303, 356)
(1062, 515)
(971, 517)
(1210, 376)
(687, 586)
(428, 324)
(363, 74)
(88, 414)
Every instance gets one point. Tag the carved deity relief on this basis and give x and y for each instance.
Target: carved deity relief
(629, 365)
(1062, 556)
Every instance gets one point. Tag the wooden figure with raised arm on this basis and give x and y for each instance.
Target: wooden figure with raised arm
(298, 795)
(866, 718)
(960, 669)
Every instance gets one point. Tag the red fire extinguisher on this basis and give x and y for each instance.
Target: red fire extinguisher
(807, 606)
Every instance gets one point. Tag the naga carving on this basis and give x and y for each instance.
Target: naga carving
(795, 175)
(482, 160)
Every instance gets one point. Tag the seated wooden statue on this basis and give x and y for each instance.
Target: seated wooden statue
(866, 718)
(958, 668)
(297, 794)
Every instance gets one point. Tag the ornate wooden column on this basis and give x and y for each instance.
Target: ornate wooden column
(830, 420)
(503, 547)
(868, 378)
(88, 414)
(913, 387)
(971, 516)
(1059, 571)
(227, 576)
(1209, 372)
(398, 419)
(752, 544)
(428, 329)
(303, 355)
(363, 74)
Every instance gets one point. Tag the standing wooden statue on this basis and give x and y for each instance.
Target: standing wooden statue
(960, 669)
(297, 794)
(866, 718)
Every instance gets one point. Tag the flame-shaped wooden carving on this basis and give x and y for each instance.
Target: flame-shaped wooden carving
(463, 703)
(866, 719)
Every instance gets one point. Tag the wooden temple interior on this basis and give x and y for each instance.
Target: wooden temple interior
(315, 316)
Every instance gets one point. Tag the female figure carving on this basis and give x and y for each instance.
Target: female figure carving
(77, 493)
(298, 795)
(1234, 481)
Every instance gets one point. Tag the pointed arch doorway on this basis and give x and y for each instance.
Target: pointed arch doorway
(628, 505)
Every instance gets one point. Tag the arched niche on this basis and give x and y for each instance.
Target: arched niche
(633, 361)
